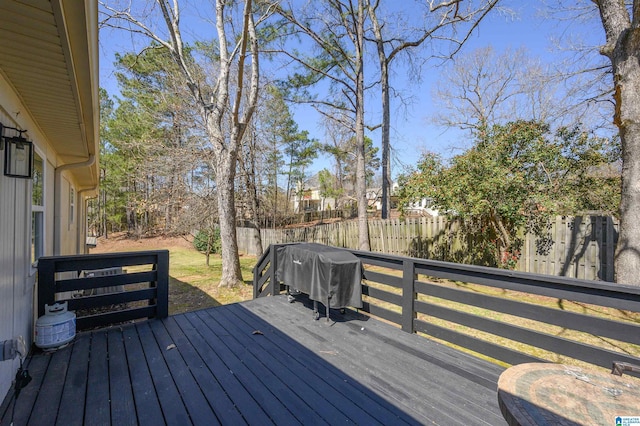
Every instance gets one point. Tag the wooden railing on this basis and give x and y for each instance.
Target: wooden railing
(511, 317)
(100, 291)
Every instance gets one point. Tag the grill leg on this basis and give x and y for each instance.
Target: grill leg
(316, 314)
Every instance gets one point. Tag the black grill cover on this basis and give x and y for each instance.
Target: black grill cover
(320, 270)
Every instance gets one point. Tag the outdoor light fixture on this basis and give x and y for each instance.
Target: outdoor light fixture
(18, 154)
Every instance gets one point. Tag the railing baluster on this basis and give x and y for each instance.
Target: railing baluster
(408, 295)
(273, 272)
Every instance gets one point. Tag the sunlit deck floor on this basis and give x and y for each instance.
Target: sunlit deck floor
(259, 362)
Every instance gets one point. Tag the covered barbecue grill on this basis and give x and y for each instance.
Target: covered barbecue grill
(328, 275)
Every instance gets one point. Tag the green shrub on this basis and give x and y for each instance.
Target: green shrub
(208, 239)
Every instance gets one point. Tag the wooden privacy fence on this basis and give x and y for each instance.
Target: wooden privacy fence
(512, 317)
(582, 247)
(100, 291)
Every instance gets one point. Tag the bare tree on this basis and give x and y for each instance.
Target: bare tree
(478, 89)
(335, 29)
(622, 47)
(214, 102)
(336, 144)
(485, 88)
(449, 23)
(248, 161)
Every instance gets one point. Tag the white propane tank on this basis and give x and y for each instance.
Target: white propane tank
(56, 327)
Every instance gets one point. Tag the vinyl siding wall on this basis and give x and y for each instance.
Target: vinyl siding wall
(17, 274)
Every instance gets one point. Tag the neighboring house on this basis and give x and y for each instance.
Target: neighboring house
(374, 197)
(310, 198)
(422, 207)
(48, 88)
(307, 197)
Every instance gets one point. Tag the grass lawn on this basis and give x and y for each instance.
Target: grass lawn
(192, 284)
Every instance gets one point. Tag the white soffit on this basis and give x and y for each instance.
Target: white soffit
(49, 55)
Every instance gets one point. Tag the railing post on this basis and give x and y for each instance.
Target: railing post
(46, 284)
(273, 266)
(408, 295)
(162, 284)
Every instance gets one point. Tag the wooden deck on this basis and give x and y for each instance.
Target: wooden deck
(259, 362)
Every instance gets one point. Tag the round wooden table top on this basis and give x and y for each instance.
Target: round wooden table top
(555, 394)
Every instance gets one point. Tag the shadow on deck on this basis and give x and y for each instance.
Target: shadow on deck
(262, 362)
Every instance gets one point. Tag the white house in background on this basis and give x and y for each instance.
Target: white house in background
(423, 206)
(48, 96)
(374, 196)
(307, 197)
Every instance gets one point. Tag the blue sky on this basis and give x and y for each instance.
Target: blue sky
(525, 25)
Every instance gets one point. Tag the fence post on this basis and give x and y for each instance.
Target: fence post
(408, 295)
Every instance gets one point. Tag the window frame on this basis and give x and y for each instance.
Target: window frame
(72, 205)
(37, 212)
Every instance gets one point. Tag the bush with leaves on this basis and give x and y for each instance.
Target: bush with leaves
(513, 179)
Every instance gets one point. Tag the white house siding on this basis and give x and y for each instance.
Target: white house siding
(49, 87)
(16, 275)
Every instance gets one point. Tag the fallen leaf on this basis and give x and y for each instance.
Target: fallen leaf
(171, 346)
(257, 332)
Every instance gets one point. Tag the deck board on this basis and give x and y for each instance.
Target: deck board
(75, 384)
(315, 406)
(259, 362)
(245, 403)
(97, 407)
(275, 409)
(314, 376)
(194, 400)
(51, 389)
(348, 394)
(295, 393)
(216, 396)
(171, 402)
(399, 359)
(37, 367)
(123, 411)
(144, 395)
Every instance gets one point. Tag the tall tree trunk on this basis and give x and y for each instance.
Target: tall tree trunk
(225, 179)
(386, 144)
(361, 181)
(275, 190)
(623, 49)
(386, 115)
(249, 169)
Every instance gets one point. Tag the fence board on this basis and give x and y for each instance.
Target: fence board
(583, 247)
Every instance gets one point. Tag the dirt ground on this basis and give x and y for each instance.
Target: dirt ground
(120, 242)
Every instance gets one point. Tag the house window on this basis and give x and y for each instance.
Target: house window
(37, 209)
